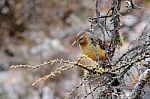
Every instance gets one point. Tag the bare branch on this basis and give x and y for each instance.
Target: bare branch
(136, 91)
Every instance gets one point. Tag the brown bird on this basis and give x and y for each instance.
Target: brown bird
(84, 40)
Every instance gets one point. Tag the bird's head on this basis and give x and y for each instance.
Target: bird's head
(82, 38)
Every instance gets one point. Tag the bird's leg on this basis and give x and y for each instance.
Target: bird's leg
(80, 58)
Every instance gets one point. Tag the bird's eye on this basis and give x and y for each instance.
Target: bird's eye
(80, 39)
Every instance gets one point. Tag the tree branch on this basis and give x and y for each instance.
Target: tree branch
(136, 92)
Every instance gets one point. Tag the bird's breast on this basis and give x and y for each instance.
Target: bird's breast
(89, 52)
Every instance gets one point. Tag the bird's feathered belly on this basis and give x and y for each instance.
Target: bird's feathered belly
(88, 50)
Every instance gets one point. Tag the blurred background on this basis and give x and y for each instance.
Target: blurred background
(35, 31)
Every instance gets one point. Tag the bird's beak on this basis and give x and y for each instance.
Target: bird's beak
(74, 43)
